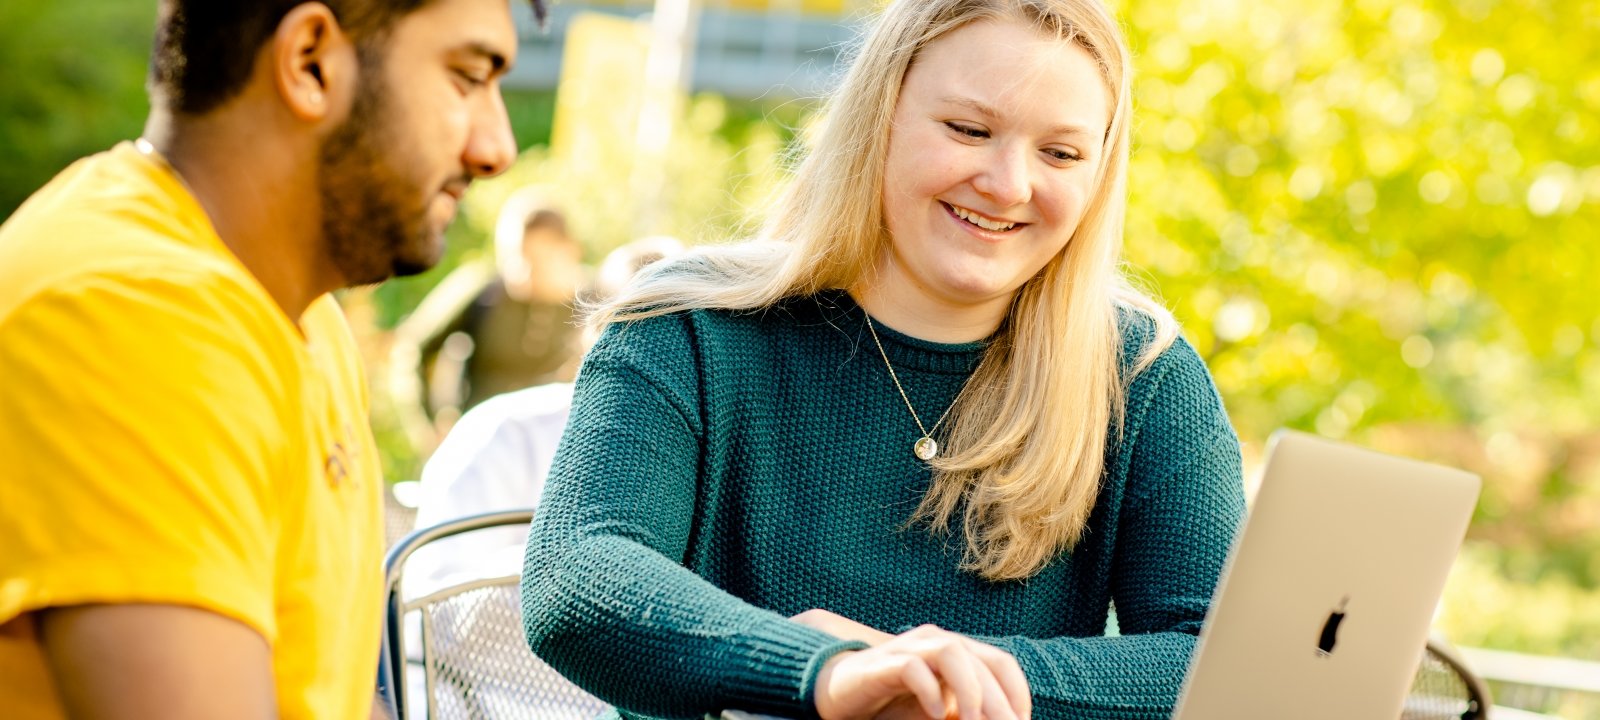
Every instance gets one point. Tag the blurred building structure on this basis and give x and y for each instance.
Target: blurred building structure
(742, 48)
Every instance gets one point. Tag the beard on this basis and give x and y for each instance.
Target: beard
(374, 214)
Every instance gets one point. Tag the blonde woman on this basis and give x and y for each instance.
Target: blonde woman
(899, 455)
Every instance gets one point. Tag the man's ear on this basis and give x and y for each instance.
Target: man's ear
(314, 63)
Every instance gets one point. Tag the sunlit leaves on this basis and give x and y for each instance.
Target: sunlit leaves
(1382, 216)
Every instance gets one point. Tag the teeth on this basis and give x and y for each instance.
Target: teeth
(980, 221)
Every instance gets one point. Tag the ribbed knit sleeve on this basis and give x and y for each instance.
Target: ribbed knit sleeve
(607, 599)
(1180, 506)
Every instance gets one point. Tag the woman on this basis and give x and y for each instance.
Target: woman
(900, 455)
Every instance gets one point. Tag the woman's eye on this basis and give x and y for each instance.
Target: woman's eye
(470, 79)
(1063, 155)
(967, 130)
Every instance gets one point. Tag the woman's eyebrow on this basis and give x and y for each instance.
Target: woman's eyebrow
(988, 111)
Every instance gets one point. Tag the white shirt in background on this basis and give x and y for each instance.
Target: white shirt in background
(495, 458)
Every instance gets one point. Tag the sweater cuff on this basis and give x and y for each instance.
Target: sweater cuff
(777, 673)
(808, 688)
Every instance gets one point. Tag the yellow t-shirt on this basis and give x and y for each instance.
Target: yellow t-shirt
(168, 435)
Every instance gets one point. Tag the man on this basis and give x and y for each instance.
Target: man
(189, 510)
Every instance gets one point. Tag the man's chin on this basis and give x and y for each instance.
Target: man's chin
(403, 268)
(420, 258)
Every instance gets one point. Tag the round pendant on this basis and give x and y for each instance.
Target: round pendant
(926, 448)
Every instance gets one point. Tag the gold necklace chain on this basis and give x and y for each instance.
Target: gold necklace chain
(925, 448)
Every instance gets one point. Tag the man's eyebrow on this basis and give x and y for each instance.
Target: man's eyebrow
(986, 110)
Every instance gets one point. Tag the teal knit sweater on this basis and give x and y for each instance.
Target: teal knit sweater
(722, 471)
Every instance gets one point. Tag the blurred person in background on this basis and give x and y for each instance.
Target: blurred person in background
(899, 455)
(490, 328)
(497, 456)
(190, 509)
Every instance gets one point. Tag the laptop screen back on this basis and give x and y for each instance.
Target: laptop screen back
(1324, 609)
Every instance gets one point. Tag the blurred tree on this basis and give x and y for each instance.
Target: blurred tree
(1378, 220)
(75, 85)
(725, 160)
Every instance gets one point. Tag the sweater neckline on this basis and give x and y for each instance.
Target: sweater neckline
(904, 351)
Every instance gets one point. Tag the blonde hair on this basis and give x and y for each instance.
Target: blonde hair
(1028, 435)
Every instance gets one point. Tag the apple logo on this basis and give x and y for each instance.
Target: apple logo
(1330, 629)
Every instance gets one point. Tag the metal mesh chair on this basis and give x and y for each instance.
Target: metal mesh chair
(398, 519)
(465, 645)
(1445, 688)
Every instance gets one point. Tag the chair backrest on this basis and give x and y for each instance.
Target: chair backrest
(460, 652)
(1445, 688)
(398, 518)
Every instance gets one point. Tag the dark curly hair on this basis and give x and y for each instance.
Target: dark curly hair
(205, 49)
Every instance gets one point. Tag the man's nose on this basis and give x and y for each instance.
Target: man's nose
(491, 147)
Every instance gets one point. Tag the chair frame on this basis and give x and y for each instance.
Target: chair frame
(1477, 691)
(392, 663)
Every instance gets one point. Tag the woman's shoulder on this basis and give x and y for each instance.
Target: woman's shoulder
(1155, 352)
(701, 329)
(1138, 328)
(1144, 330)
(1174, 411)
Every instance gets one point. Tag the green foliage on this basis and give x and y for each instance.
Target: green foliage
(74, 85)
(1550, 616)
(530, 112)
(1545, 616)
(1390, 173)
(1377, 220)
(724, 162)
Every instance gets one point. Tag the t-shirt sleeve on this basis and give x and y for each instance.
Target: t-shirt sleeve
(142, 422)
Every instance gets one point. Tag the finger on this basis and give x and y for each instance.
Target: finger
(905, 707)
(996, 705)
(1010, 676)
(959, 670)
(815, 618)
(924, 685)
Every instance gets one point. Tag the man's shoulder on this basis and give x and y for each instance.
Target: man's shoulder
(105, 228)
(171, 318)
(145, 286)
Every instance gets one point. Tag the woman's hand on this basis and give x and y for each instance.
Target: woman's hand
(937, 672)
(841, 627)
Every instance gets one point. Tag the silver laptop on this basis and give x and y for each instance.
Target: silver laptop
(1324, 609)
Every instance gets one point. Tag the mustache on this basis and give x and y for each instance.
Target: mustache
(457, 186)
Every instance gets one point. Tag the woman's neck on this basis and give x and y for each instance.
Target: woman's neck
(925, 317)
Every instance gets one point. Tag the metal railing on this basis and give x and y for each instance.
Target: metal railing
(783, 49)
(1558, 687)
